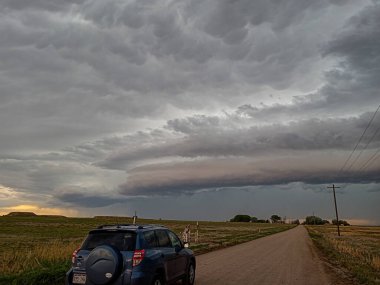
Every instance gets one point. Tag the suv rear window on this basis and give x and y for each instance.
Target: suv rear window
(124, 241)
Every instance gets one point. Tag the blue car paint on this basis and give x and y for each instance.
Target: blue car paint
(156, 260)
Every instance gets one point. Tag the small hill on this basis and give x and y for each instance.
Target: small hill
(110, 217)
(21, 214)
(52, 216)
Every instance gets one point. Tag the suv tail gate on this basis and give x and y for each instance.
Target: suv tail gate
(115, 247)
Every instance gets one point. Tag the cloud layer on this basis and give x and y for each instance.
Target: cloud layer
(103, 102)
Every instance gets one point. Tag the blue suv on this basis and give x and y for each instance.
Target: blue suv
(131, 255)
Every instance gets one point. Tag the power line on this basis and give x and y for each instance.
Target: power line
(360, 139)
(370, 160)
(360, 153)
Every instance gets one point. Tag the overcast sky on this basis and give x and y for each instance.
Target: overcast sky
(190, 109)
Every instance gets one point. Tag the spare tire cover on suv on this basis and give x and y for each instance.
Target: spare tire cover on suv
(104, 264)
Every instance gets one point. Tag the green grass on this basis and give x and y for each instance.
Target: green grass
(37, 250)
(52, 273)
(357, 250)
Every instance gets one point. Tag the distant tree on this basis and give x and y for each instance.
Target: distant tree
(275, 218)
(341, 222)
(313, 220)
(241, 218)
(261, 221)
(296, 222)
(325, 222)
(254, 219)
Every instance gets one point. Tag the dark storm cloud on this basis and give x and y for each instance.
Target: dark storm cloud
(41, 176)
(96, 94)
(110, 55)
(353, 84)
(309, 151)
(50, 5)
(189, 178)
(44, 173)
(357, 41)
(358, 46)
(229, 19)
(75, 70)
(81, 197)
(211, 137)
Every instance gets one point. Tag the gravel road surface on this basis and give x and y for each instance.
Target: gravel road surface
(285, 258)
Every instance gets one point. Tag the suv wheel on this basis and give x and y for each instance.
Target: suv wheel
(158, 280)
(190, 275)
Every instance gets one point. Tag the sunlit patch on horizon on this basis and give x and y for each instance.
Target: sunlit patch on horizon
(39, 210)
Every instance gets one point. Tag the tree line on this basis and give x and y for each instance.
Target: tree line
(247, 219)
(314, 220)
(276, 219)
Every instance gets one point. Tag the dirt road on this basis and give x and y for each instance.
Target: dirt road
(285, 258)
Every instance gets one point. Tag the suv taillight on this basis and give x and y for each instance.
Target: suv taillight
(74, 255)
(138, 256)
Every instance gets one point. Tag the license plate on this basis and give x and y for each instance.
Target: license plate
(79, 278)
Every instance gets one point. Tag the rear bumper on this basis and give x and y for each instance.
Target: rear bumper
(123, 279)
(141, 278)
(69, 277)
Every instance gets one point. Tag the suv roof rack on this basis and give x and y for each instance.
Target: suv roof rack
(141, 226)
(114, 226)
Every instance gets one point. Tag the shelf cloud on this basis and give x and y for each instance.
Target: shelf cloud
(106, 104)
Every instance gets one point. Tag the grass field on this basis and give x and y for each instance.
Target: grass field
(357, 250)
(37, 250)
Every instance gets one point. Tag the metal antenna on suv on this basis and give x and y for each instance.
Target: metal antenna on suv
(135, 218)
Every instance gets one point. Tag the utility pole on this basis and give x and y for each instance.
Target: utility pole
(197, 233)
(336, 208)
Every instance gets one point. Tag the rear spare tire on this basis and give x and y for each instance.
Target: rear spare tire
(104, 265)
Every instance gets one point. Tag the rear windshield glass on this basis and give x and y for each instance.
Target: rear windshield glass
(124, 241)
